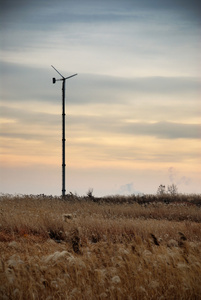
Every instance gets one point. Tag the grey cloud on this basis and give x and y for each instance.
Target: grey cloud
(115, 125)
(24, 84)
(106, 89)
(152, 84)
(41, 15)
(34, 123)
(28, 116)
(185, 8)
(29, 125)
(39, 18)
(29, 136)
(137, 152)
(90, 8)
(165, 130)
(21, 83)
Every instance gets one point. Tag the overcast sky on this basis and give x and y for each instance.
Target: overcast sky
(133, 112)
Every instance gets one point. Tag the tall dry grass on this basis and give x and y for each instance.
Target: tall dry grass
(102, 250)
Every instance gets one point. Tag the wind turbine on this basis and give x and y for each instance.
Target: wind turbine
(63, 79)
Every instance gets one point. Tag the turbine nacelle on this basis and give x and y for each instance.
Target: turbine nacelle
(63, 78)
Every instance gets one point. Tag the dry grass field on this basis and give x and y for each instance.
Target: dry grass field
(145, 247)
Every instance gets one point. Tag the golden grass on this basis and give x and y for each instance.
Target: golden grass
(103, 251)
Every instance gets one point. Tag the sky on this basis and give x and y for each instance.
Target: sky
(133, 113)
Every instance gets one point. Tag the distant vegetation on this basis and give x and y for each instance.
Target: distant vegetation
(115, 247)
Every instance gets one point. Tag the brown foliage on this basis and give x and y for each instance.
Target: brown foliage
(108, 251)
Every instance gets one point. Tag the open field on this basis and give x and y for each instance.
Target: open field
(146, 247)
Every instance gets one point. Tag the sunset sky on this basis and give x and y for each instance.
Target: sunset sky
(133, 112)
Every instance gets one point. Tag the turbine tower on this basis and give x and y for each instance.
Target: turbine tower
(63, 79)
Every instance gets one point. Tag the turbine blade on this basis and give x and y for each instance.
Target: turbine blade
(57, 71)
(70, 76)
